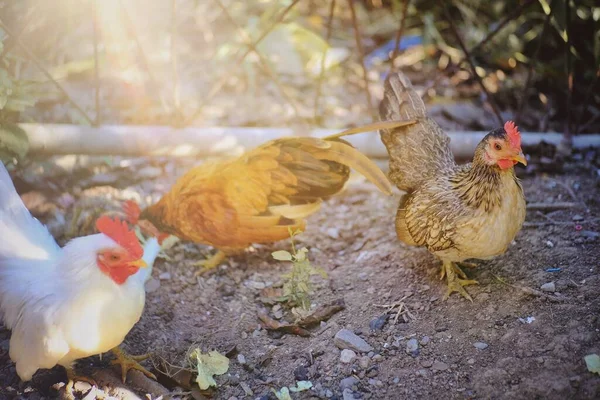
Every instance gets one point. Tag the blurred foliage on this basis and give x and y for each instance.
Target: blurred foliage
(16, 95)
(158, 62)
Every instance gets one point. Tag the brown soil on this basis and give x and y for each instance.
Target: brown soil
(368, 267)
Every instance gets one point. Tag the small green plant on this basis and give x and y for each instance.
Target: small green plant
(297, 287)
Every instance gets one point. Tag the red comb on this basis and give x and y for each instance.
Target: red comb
(118, 231)
(514, 136)
(132, 210)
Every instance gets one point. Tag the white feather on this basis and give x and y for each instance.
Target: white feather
(57, 302)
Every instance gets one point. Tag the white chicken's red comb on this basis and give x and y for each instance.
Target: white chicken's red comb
(514, 136)
(118, 231)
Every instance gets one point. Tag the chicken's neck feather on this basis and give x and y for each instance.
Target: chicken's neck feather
(479, 184)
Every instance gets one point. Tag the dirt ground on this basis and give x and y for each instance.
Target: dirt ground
(487, 349)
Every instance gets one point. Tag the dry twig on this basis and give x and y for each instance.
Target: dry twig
(361, 53)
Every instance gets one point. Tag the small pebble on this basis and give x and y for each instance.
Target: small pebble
(301, 373)
(396, 380)
(377, 357)
(425, 340)
(480, 345)
(346, 339)
(412, 347)
(549, 244)
(152, 285)
(165, 276)
(347, 395)
(241, 359)
(577, 217)
(548, 287)
(363, 276)
(364, 362)
(333, 233)
(471, 361)
(426, 363)
(378, 323)
(440, 366)
(348, 382)
(347, 356)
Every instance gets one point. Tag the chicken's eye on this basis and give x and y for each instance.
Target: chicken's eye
(114, 257)
(497, 146)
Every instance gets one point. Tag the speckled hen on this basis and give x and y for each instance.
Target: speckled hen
(457, 212)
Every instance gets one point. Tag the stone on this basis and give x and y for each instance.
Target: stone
(241, 359)
(439, 366)
(347, 356)
(364, 362)
(412, 347)
(348, 383)
(346, 339)
(152, 285)
(378, 323)
(165, 276)
(548, 287)
(480, 345)
(301, 373)
(347, 395)
(425, 340)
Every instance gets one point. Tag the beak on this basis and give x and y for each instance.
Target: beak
(520, 158)
(138, 263)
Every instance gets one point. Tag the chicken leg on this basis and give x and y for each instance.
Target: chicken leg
(210, 263)
(455, 283)
(128, 362)
(72, 377)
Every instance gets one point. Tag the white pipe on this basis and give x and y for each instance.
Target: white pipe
(135, 140)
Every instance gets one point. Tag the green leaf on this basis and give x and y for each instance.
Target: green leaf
(593, 363)
(283, 393)
(208, 365)
(282, 255)
(301, 254)
(302, 386)
(13, 142)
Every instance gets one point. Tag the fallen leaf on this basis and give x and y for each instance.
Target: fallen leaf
(270, 324)
(283, 393)
(322, 313)
(208, 365)
(301, 386)
(593, 363)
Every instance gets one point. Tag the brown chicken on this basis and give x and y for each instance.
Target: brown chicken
(256, 198)
(456, 211)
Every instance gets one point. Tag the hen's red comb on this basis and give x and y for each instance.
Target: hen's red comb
(132, 211)
(514, 136)
(118, 231)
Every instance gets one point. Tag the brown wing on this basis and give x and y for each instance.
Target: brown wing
(417, 151)
(259, 196)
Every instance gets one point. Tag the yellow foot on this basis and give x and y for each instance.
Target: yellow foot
(210, 263)
(72, 377)
(128, 362)
(455, 284)
(465, 264)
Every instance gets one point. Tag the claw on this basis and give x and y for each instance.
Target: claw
(455, 284)
(128, 362)
(72, 377)
(210, 263)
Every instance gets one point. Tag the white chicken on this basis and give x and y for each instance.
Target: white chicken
(67, 303)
